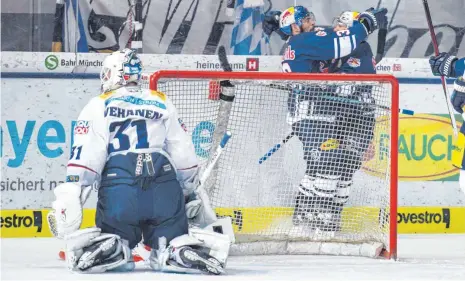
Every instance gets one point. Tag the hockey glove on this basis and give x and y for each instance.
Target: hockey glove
(443, 65)
(372, 19)
(271, 23)
(193, 203)
(66, 216)
(458, 95)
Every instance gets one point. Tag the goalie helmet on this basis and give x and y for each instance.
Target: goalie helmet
(294, 14)
(346, 19)
(119, 69)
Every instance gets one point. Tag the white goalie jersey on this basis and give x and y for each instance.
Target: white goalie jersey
(129, 119)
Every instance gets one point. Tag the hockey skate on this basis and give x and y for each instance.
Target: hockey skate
(317, 217)
(188, 257)
(184, 259)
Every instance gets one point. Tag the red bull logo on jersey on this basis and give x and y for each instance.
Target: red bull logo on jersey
(82, 127)
(289, 54)
(353, 62)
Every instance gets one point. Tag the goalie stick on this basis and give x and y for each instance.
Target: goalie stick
(443, 79)
(200, 192)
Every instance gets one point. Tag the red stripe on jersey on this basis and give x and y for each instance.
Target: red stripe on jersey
(80, 166)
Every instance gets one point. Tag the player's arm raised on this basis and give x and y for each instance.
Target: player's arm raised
(327, 44)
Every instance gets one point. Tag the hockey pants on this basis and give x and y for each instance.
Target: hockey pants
(140, 196)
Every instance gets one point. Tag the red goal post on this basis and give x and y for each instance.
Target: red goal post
(260, 197)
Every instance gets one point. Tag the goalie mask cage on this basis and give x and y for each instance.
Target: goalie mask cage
(260, 197)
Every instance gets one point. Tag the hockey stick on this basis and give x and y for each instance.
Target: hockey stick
(136, 42)
(382, 34)
(209, 213)
(275, 148)
(224, 59)
(443, 79)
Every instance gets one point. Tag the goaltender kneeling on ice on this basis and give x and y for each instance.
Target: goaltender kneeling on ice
(147, 174)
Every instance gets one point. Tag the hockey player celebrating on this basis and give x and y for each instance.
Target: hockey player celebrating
(325, 188)
(129, 144)
(333, 147)
(450, 66)
(304, 48)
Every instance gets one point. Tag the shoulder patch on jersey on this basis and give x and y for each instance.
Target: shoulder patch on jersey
(159, 94)
(81, 127)
(72, 178)
(106, 95)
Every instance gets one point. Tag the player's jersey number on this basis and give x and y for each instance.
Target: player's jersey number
(123, 139)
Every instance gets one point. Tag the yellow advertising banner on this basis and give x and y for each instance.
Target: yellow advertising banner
(249, 220)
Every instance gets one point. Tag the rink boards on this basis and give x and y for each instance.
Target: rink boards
(250, 220)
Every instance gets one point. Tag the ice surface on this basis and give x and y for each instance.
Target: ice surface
(421, 257)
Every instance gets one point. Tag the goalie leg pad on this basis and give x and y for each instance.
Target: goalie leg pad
(200, 250)
(90, 251)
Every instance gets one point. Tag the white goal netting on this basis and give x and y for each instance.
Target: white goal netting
(337, 145)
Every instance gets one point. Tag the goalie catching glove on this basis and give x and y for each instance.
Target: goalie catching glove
(66, 216)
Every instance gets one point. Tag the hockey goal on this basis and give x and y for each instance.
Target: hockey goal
(257, 178)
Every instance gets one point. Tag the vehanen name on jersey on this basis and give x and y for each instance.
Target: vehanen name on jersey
(124, 113)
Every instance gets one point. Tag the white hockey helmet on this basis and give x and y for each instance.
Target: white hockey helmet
(119, 69)
(346, 19)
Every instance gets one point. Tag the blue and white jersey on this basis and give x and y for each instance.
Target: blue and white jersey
(126, 120)
(322, 44)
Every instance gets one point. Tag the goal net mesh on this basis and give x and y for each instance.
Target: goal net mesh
(339, 150)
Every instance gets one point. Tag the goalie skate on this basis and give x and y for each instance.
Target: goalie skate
(196, 259)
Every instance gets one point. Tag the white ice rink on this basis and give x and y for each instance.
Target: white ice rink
(421, 257)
